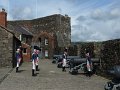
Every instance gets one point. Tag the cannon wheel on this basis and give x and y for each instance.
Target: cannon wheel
(53, 61)
(108, 86)
(116, 87)
(84, 68)
(73, 71)
(59, 65)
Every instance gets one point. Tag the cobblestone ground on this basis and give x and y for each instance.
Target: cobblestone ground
(4, 72)
(50, 78)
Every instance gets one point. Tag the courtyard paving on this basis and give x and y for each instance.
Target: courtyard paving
(49, 78)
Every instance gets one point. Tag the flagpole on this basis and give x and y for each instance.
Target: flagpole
(36, 9)
(8, 5)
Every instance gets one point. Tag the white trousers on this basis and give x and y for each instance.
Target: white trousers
(33, 64)
(37, 61)
(18, 62)
(89, 66)
(64, 62)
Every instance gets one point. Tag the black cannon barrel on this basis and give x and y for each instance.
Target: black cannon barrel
(73, 57)
(68, 57)
(56, 56)
(83, 60)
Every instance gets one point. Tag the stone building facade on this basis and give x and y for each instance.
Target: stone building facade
(8, 43)
(56, 29)
(46, 43)
(6, 47)
(47, 33)
(25, 38)
(110, 54)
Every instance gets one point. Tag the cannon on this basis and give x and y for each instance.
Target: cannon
(73, 57)
(59, 61)
(56, 58)
(76, 64)
(114, 84)
(114, 71)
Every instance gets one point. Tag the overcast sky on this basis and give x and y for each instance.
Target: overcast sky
(91, 20)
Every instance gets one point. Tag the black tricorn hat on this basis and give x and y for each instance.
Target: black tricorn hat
(87, 50)
(65, 50)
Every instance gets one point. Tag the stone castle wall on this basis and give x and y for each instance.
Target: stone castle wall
(57, 24)
(110, 54)
(107, 51)
(81, 47)
(6, 48)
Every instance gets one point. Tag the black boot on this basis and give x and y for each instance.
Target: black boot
(89, 73)
(63, 69)
(33, 73)
(16, 69)
(37, 68)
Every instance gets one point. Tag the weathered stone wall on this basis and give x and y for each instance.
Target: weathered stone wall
(6, 48)
(81, 47)
(58, 24)
(110, 54)
(97, 49)
(72, 50)
(40, 42)
(64, 31)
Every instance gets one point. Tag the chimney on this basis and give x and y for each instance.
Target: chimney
(3, 18)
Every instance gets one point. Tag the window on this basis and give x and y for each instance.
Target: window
(24, 50)
(40, 42)
(46, 41)
(46, 53)
(24, 39)
(39, 39)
